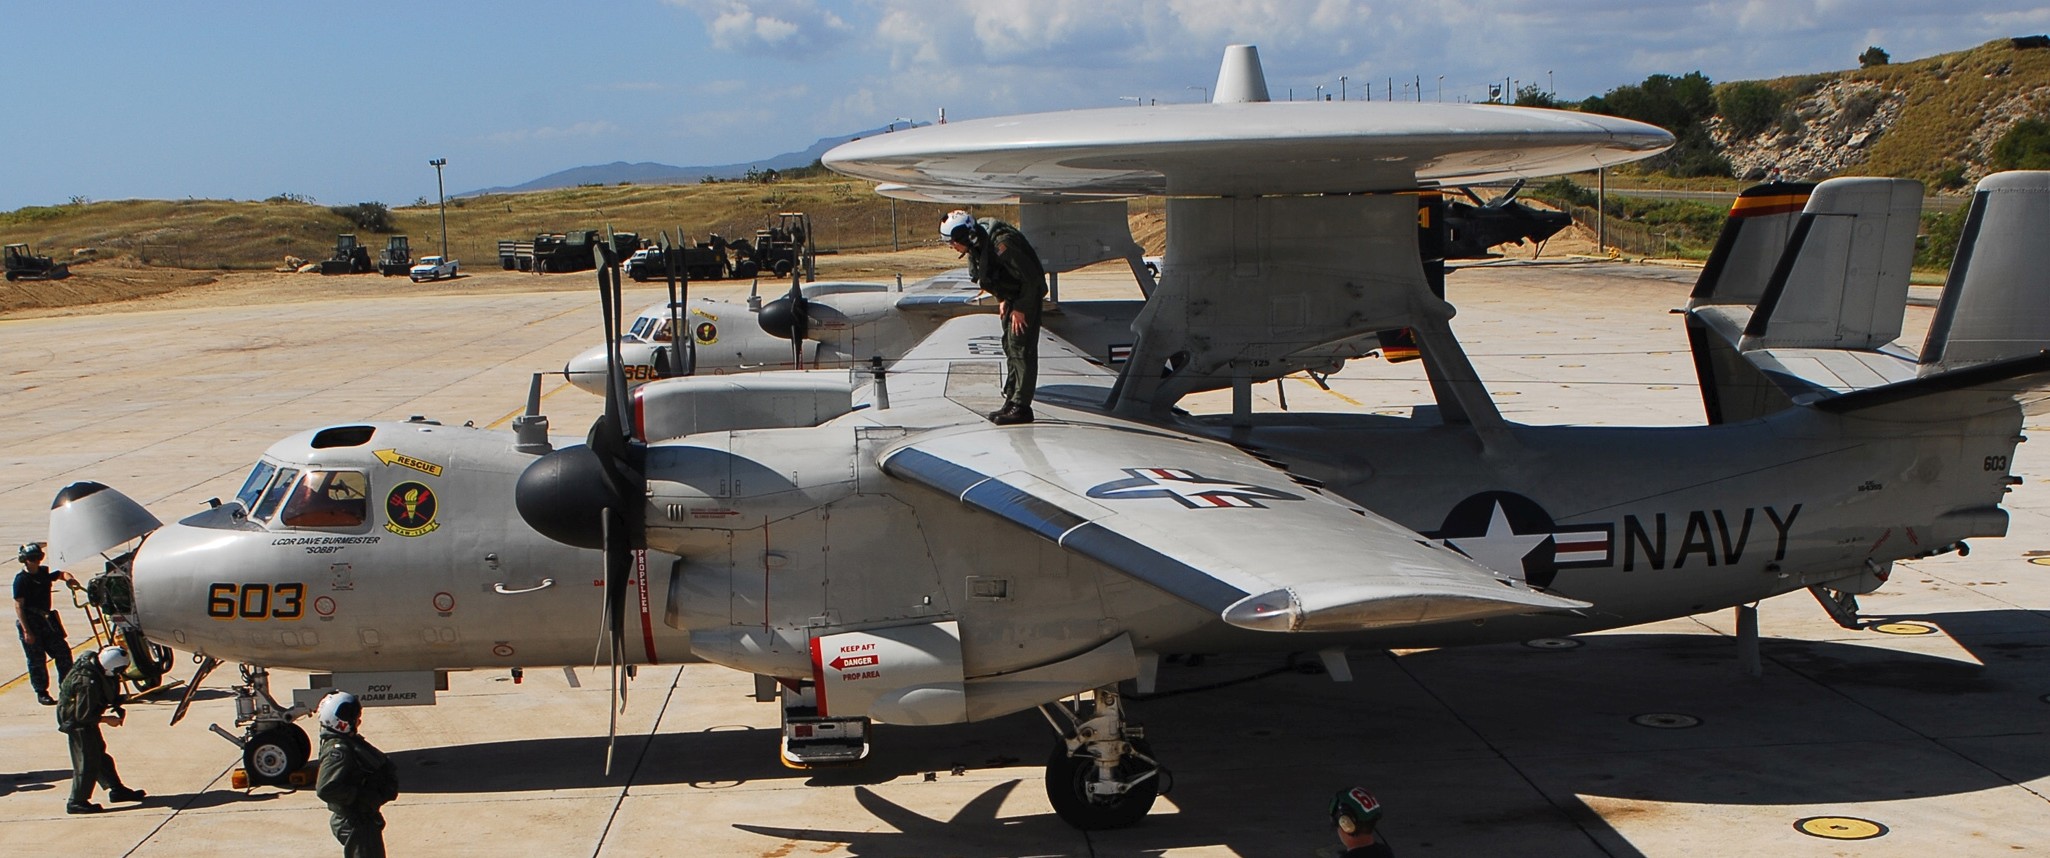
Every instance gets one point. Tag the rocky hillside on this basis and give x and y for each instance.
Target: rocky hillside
(1933, 119)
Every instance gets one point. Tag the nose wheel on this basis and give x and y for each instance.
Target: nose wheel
(272, 755)
(1101, 774)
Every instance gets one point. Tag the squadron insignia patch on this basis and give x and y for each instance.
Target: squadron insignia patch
(410, 507)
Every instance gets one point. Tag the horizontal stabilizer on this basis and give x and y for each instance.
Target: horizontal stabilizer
(1995, 304)
(1957, 393)
(1209, 524)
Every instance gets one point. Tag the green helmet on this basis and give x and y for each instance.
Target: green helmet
(29, 553)
(1355, 810)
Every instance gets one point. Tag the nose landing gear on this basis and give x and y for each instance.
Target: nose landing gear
(1101, 774)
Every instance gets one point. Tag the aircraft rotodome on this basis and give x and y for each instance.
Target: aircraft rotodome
(880, 553)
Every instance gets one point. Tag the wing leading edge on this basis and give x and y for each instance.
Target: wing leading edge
(1212, 526)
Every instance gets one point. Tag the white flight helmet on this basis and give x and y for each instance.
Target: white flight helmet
(956, 221)
(113, 660)
(339, 711)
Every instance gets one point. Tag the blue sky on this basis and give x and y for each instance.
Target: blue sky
(347, 102)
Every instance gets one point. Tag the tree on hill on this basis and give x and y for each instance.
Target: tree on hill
(1531, 95)
(1873, 56)
(1748, 108)
(373, 217)
(2025, 146)
(1677, 104)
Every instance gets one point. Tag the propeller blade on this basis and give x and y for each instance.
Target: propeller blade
(618, 565)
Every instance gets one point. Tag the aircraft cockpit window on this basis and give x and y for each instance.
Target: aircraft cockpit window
(658, 331)
(328, 499)
(275, 494)
(640, 328)
(252, 488)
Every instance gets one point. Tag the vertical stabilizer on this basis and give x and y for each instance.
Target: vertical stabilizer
(1753, 236)
(1996, 303)
(1240, 79)
(1842, 282)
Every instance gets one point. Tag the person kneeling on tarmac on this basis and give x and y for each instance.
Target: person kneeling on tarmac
(1355, 812)
(356, 779)
(83, 698)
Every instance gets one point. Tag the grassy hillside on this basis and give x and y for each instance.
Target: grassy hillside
(227, 234)
(1956, 106)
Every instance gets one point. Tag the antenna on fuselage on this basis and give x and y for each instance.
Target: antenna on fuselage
(530, 430)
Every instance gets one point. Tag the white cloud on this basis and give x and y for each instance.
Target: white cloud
(744, 25)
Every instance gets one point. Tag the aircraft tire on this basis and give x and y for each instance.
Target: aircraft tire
(273, 755)
(1067, 788)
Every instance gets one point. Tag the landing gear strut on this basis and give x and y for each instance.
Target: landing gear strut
(1101, 774)
(272, 746)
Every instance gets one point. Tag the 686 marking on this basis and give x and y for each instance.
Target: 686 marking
(285, 601)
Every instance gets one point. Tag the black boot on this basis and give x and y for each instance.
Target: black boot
(1012, 416)
(44, 698)
(82, 807)
(125, 794)
(998, 415)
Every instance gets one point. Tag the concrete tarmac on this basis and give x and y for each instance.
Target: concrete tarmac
(1925, 729)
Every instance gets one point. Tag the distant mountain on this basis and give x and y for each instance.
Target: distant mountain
(651, 173)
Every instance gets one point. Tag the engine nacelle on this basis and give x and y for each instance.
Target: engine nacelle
(673, 408)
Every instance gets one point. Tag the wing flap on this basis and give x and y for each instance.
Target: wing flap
(1212, 526)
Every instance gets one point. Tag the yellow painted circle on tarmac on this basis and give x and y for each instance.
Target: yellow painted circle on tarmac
(1905, 629)
(2040, 561)
(1840, 827)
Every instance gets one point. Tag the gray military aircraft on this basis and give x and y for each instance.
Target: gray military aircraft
(824, 325)
(884, 554)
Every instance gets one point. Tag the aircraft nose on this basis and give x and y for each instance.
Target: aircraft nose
(561, 496)
(587, 370)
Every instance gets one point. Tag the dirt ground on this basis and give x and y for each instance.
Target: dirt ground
(110, 286)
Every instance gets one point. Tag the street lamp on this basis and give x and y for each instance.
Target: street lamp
(1441, 87)
(1135, 100)
(441, 198)
(1204, 90)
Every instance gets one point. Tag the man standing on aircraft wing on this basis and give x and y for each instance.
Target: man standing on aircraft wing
(40, 630)
(356, 779)
(83, 698)
(1004, 264)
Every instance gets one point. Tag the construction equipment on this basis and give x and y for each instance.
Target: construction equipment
(24, 264)
(787, 245)
(705, 260)
(349, 258)
(397, 258)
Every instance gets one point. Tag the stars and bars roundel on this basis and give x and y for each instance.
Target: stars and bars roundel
(1188, 488)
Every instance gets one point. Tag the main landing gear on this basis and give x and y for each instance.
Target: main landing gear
(1101, 774)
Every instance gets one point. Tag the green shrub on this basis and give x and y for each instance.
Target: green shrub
(1873, 56)
(1562, 191)
(1951, 178)
(2025, 146)
(1940, 231)
(1748, 108)
(371, 217)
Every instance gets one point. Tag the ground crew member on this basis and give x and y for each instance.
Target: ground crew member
(356, 779)
(89, 690)
(1355, 812)
(40, 629)
(1004, 264)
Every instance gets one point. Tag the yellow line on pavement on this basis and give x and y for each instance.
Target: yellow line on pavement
(523, 408)
(12, 683)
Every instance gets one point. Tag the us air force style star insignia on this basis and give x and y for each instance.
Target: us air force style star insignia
(1511, 534)
(1188, 488)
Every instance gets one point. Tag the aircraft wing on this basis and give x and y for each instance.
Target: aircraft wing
(1211, 525)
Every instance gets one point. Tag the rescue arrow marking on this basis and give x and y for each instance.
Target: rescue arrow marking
(844, 662)
(394, 457)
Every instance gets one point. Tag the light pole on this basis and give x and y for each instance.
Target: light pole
(1441, 87)
(442, 199)
(1341, 87)
(1204, 90)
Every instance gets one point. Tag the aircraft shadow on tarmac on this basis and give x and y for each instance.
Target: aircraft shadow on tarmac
(1551, 724)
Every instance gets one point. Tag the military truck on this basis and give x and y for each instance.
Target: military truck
(397, 258)
(22, 263)
(560, 253)
(786, 245)
(705, 260)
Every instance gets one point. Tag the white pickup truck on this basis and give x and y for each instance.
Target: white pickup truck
(434, 268)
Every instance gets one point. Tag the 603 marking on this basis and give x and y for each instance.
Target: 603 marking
(256, 601)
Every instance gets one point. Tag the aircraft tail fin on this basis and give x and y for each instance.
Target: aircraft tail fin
(1753, 235)
(1996, 302)
(1796, 302)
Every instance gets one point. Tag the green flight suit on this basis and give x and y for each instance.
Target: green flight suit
(86, 693)
(356, 780)
(1004, 264)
